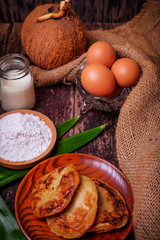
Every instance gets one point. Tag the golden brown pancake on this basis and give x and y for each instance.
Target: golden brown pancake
(53, 191)
(80, 214)
(112, 209)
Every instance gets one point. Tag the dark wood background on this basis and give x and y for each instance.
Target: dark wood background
(62, 102)
(90, 11)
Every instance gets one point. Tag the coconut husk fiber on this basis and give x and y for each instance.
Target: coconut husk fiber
(138, 127)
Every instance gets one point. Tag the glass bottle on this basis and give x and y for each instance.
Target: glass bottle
(17, 87)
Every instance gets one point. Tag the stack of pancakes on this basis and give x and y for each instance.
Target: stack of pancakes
(74, 204)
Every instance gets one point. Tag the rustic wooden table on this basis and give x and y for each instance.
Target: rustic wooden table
(61, 102)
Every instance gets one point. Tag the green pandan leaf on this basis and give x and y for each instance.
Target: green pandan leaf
(65, 126)
(74, 142)
(9, 229)
(8, 175)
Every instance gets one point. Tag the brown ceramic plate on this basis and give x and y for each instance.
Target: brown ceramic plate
(29, 163)
(91, 166)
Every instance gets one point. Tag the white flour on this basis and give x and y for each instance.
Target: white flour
(23, 137)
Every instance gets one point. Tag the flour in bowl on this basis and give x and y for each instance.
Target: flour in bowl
(23, 137)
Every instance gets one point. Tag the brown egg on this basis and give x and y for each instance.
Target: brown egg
(101, 52)
(115, 93)
(126, 72)
(97, 79)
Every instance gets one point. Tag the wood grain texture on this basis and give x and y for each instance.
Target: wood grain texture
(4, 36)
(90, 11)
(91, 166)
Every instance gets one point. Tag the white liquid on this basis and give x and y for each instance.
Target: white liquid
(17, 94)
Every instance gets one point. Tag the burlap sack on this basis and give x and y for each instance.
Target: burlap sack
(138, 128)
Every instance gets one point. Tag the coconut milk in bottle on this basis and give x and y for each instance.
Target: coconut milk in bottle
(17, 87)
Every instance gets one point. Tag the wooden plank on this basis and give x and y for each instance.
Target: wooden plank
(89, 10)
(104, 145)
(4, 37)
(98, 11)
(14, 41)
(56, 102)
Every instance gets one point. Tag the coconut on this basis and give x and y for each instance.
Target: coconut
(52, 42)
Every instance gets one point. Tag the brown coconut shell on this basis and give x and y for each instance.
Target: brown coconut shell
(53, 42)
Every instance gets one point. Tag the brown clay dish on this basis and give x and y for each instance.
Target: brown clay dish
(30, 163)
(91, 166)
